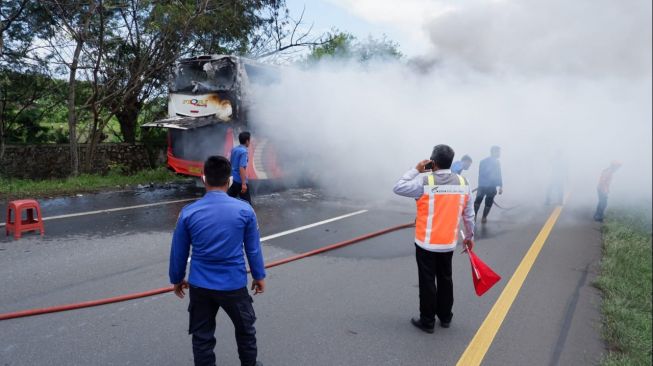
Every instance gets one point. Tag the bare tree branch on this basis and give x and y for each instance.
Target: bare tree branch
(286, 36)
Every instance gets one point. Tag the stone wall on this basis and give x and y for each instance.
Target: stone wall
(53, 160)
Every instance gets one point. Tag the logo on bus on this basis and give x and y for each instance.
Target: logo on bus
(196, 102)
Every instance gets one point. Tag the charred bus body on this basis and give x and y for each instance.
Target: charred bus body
(208, 102)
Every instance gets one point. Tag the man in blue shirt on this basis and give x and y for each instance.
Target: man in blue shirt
(463, 164)
(216, 228)
(489, 179)
(239, 159)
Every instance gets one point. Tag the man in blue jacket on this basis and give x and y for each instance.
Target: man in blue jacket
(489, 179)
(457, 167)
(216, 228)
(239, 161)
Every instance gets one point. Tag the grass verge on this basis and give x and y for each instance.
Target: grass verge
(20, 188)
(626, 282)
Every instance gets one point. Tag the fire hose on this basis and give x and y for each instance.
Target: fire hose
(494, 203)
(153, 292)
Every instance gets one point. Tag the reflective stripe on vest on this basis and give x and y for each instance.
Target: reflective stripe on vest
(438, 214)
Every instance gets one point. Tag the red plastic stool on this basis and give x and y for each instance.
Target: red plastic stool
(18, 225)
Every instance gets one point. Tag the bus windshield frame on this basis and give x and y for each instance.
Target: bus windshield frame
(203, 76)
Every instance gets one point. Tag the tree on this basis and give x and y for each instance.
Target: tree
(340, 46)
(154, 34)
(16, 34)
(26, 99)
(12, 30)
(74, 18)
(117, 55)
(99, 85)
(377, 49)
(344, 46)
(281, 36)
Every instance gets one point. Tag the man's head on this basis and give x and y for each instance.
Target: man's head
(217, 171)
(467, 162)
(495, 152)
(442, 156)
(244, 138)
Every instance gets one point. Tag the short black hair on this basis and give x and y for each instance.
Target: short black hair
(466, 158)
(442, 155)
(244, 136)
(217, 171)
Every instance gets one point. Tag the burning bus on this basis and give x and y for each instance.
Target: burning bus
(208, 102)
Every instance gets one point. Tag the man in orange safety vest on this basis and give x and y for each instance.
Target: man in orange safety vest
(442, 199)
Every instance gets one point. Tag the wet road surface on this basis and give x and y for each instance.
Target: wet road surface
(346, 307)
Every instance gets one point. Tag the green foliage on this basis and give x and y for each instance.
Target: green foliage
(160, 33)
(18, 188)
(378, 49)
(27, 101)
(344, 46)
(339, 46)
(20, 22)
(626, 282)
(126, 50)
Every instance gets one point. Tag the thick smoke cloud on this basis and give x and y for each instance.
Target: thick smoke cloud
(593, 38)
(541, 79)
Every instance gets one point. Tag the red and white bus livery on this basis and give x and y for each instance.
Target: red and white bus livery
(208, 102)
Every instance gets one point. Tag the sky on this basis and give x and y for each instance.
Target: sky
(403, 24)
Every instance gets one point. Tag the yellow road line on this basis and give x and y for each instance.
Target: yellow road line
(483, 338)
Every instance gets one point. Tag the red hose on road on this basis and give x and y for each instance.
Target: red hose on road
(138, 295)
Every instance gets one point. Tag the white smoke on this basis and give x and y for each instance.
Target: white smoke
(594, 38)
(534, 77)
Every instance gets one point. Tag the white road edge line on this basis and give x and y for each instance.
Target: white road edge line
(265, 238)
(113, 209)
(291, 231)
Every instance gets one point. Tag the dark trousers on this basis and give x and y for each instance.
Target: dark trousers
(203, 308)
(435, 286)
(235, 191)
(488, 193)
(602, 205)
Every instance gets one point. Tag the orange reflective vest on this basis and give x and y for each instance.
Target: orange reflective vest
(438, 212)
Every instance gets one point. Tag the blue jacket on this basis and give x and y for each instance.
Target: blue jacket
(457, 167)
(239, 159)
(216, 228)
(489, 173)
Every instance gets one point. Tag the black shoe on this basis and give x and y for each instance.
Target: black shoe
(259, 363)
(446, 324)
(418, 323)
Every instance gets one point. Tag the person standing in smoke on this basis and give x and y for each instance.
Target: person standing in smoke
(463, 164)
(239, 160)
(604, 188)
(443, 201)
(489, 182)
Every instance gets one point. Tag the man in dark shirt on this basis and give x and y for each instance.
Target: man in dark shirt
(489, 179)
(216, 228)
(239, 160)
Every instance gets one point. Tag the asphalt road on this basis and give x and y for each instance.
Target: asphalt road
(347, 307)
